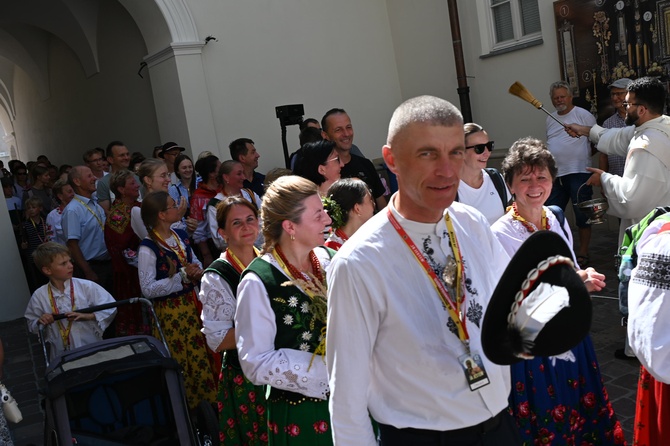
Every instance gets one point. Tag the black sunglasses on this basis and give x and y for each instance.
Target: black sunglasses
(479, 148)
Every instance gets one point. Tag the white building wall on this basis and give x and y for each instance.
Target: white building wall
(320, 53)
(81, 112)
(424, 53)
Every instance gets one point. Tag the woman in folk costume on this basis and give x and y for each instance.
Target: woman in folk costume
(349, 204)
(231, 180)
(241, 405)
(559, 398)
(280, 323)
(169, 273)
(120, 237)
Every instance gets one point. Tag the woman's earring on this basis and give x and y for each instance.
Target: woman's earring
(292, 237)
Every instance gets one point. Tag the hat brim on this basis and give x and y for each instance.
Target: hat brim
(164, 151)
(565, 330)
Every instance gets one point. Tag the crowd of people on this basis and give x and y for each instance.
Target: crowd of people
(309, 320)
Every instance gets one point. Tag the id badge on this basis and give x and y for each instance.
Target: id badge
(473, 368)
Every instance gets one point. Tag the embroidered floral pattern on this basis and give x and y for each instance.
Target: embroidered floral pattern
(475, 313)
(564, 403)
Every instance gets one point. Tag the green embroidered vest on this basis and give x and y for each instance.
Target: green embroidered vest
(296, 327)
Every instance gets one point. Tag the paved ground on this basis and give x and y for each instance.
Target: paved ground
(24, 364)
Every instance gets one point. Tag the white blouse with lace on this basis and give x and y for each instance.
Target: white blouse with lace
(255, 332)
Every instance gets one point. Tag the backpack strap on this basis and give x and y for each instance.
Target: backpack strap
(499, 183)
(560, 216)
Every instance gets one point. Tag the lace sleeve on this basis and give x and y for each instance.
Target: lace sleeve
(262, 363)
(218, 308)
(146, 260)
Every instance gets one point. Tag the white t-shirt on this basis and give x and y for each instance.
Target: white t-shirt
(485, 199)
(572, 155)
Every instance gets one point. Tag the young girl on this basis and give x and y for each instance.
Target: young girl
(349, 204)
(168, 273)
(36, 231)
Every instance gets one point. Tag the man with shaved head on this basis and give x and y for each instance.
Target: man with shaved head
(83, 227)
(404, 316)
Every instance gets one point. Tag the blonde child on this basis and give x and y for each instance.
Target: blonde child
(64, 294)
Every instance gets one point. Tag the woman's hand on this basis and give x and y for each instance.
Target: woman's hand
(182, 207)
(593, 280)
(191, 225)
(193, 272)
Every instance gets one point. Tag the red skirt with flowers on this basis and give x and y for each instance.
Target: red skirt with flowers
(242, 411)
(652, 411)
(563, 401)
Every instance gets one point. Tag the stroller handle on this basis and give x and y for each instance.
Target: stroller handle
(93, 309)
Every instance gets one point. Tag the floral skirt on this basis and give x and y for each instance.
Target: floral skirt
(306, 423)
(562, 400)
(181, 325)
(242, 409)
(652, 411)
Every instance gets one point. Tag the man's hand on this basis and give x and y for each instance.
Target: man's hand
(594, 180)
(576, 130)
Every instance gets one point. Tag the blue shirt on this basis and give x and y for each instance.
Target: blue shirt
(84, 220)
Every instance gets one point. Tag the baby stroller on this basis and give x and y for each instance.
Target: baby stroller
(121, 391)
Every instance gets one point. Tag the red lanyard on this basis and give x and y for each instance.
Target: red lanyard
(453, 306)
(64, 332)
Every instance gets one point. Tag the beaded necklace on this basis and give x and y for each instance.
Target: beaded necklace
(544, 222)
(294, 272)
(340, 233)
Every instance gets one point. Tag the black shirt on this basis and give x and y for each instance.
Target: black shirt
(359, 167)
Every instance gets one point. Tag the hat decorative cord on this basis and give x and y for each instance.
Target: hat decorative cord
(531, 279)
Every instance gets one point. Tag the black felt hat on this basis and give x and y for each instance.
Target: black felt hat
(169, 146)
(540, 307)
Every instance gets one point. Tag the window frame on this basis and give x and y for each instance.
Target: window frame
(488, 33)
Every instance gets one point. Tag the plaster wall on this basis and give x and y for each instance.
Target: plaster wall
(424, 54)
(82, 112)
(318, 53)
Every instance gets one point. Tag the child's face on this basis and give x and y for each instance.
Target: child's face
(60, 268)
(33, 211)
(8, 191)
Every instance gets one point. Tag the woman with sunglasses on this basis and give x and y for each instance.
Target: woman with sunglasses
(318, 162)
(481, 187)
(169, 272)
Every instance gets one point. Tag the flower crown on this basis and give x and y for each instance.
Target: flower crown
(334, 211)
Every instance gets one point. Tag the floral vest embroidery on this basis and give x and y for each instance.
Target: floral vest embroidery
(165, 257)
(119, 217)
(296, 327)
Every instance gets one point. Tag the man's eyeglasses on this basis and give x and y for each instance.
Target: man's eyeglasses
(628, 104)
(479, 148)
(22, 173)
